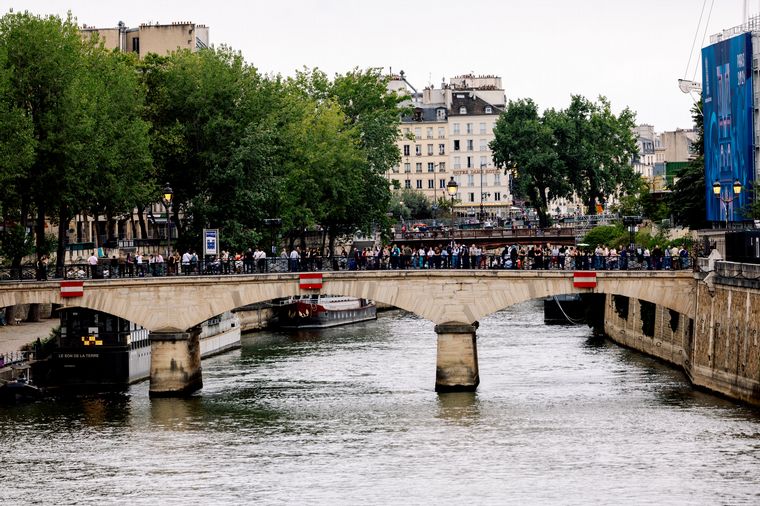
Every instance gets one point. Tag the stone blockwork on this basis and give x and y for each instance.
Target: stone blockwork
(670, 340)
(726, 355)
(719, 349)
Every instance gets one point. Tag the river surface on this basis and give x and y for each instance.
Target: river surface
(349, 416)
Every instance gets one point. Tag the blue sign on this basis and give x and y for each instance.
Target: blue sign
(210, 241)
(727, 109)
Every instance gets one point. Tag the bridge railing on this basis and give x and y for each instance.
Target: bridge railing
(460, 235)
(108, 269)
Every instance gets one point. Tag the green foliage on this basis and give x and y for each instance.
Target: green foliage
(611, 235)
(15, 242)
(416, 205)
(583, 150)
(687, 198)
(237, 147)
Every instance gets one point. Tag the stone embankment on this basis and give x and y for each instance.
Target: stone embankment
(718, 348)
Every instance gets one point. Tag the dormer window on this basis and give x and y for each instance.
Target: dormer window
(489, 110)
(441, 114)
(463, 110)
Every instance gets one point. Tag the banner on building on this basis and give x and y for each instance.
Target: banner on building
(727, 109)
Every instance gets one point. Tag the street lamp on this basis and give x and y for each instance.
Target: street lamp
(728, 198)
(451, 188)
(167, 196)
(482, 165)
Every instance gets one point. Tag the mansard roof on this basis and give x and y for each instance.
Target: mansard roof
(474, 105)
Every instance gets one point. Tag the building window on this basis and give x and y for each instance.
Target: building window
(431, 167)
(418, 133)
(406, 149)
(482, 128)
(469, 144)
(407, 167)
(442, 149)
(431, 184)
(441, 133)
(456, 128)
(469, 162)
(456, 145)
(462, 110)
(497, 196)
(469, 128)
(440, 114)
(471, 197)
(408, 184)
(483, 161)
(430, 149)
(418, 149)
(136, 45)
(497, 179)
(429, 132)
(483, 145)
(489, 110)
(442, 166)
(441, 183)
(406, 132)
(419, 184)
(418, 166)
(457, 162)
(470, 179)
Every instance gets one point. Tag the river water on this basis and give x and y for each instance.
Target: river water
(349, 416)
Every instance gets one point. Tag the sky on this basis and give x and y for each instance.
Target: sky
(633, 52)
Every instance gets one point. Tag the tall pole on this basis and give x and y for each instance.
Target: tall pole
(481, 193)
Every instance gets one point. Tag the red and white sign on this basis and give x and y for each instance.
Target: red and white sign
(584, 279)
(310, 281)
(72, 288)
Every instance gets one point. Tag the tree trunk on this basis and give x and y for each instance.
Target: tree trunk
(60, 253)
(39, 239)
(143, 227)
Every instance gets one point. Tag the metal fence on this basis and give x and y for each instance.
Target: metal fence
(109, 270)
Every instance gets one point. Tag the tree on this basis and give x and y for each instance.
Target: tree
(524, 146)
(596, 148)
(687, 198)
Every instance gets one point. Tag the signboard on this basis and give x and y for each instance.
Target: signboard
(310, 281)
(727, 108)
(210, 241)
(584, 279)
(72, 288)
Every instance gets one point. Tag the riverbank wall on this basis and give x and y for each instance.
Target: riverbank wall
(719, 348)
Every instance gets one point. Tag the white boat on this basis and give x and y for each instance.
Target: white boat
(322, 311)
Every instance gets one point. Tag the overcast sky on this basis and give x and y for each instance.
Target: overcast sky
(631, 51)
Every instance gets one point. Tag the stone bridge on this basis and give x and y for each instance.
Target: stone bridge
(455, 300)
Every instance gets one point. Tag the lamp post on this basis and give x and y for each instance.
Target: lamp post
(451, 188)
(167, 196)
(728, 198)
(480, 218)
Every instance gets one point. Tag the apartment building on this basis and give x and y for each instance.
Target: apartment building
(152, 38)
(448, 135)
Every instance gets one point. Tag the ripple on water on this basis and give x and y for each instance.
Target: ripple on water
(349, 415)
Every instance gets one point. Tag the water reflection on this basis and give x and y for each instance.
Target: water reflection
(461, 408)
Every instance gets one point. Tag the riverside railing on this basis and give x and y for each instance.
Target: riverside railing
(107, 269)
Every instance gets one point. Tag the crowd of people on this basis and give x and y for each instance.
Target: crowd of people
(442, 256)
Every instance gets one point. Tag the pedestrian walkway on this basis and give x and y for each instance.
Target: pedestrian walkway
(13, 337)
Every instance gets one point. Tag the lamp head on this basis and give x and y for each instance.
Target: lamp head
(716, 187)
(737, 187)
(452, 187)
(168, 194)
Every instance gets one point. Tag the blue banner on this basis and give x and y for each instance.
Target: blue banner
(727, 109)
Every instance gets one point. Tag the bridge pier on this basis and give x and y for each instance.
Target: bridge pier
(457, 358)
(175, 363)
